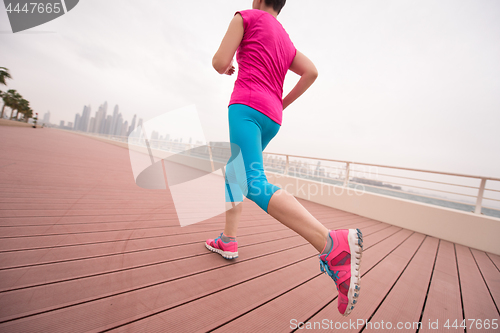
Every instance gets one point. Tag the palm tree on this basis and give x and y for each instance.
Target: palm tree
(23, 108)
(16, 103)
(9, 99)
(28, 113)
(2, 94)
(4, 74)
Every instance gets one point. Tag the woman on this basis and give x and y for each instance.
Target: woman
(265, 54)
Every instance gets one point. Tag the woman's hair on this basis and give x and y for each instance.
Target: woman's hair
(276, 4)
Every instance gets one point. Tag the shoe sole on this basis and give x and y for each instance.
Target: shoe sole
(224, 254)
(355, 239)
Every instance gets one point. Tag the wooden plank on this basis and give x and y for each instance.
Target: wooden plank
(477, 301)
(52, 220)
(443, 300)
(64, 229)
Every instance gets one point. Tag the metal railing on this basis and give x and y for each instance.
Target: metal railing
(344, 178)
(340, 172)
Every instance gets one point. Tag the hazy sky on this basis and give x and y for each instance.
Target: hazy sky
(403, 83)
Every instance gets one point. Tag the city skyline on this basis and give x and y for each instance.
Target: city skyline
(100, 123)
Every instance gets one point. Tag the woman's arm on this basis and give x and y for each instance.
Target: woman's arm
(304, 67)
(222, 60)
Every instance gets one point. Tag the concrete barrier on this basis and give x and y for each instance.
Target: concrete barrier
(466, 228)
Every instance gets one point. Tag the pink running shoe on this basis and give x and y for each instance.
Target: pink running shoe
(342, 265)
(226, 250)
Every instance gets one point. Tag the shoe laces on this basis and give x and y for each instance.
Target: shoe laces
(325, 269)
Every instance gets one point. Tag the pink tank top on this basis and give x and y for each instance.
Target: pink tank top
(264, 57)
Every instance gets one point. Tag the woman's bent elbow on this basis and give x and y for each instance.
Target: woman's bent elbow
(217, 66)
(312, 75)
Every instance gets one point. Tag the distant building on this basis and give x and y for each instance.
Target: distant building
(101, 123)
(132, 126)
(100, 119)
(114, 120)
(77, 121)
(124, 129)
(82, 122)
(91, 125)
(119, 125)
(46, 118)
(107, 125)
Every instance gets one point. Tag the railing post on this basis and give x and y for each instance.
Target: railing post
(211, 158)
(346, 180)
(480, 196)
(286, 165)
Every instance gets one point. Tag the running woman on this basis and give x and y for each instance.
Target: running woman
(265, 54)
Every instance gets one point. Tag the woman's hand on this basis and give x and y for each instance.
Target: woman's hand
(230, 70)
(304, 67)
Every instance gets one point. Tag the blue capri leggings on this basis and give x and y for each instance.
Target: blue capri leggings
(251, 131)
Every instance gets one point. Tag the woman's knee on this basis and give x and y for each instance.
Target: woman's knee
(260, 192)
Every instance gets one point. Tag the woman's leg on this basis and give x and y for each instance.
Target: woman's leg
(286, 209)
(252, 131)
(246, 177)
(233, 214)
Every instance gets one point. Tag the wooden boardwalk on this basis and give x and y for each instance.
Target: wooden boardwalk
(83, 249)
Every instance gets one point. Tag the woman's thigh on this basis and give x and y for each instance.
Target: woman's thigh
(246, 132)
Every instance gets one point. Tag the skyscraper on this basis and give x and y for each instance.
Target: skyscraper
(84, 121)
(92, 125)
(132, 126)
(124, 129)
(46, 118)
(102, 125)
(77, 122)
(107, 125)
(114, 120)
(100, 118)
(119, 125)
